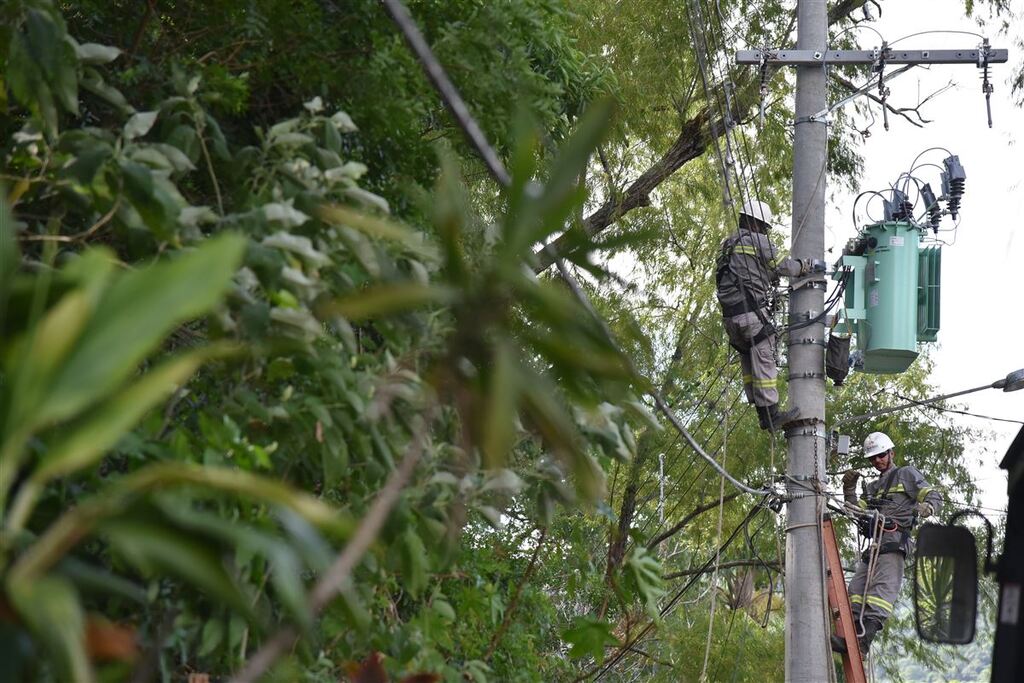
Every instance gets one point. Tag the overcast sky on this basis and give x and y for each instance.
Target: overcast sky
(982, 328)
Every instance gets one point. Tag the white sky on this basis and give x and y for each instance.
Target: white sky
(981, 325)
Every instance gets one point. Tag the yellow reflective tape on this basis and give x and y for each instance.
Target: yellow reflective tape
(856, 598)
(924, 492)
(746, 379)
(764, 383)
(863, 504)
(880, 603)
(749, 251)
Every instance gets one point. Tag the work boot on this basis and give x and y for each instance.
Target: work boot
(838, 644)
(871, 628)
(771, 419)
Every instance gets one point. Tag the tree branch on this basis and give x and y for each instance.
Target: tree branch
(694, 136)
(696, 512)
(496, 638)
(723, 565)
(849, 85)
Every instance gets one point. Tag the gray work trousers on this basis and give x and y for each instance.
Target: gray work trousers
(883, 589)
(758, 363)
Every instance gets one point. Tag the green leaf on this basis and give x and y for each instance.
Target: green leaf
(65, 80)
(157, 549)
(380, 228)
(384, 300)
(500, 408)
(9, 253)
(133, 316)
(94, 83)
(644, 573)
(50, 606)
(154, 205)
(94, 53)
(589, 638)
(99, 432)
(414, 562)
(139, 124)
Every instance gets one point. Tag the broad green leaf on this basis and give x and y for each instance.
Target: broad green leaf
(384, 300)
(498, 428)
(87, 442)
(378, 227)
(139, 124)
(152, 202)
(133, 316)
(285, 567)
(644, 573)
(157, 549)
(93, 579)
(50, 606)
(94, 53)
(414, 561)
(94, 83)
(65, 80)
(589, 638)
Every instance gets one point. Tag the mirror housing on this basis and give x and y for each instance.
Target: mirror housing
(945, 584)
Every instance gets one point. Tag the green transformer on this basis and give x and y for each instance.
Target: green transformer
(892, 295)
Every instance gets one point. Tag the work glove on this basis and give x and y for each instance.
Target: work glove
(850, 478)
(925, 510)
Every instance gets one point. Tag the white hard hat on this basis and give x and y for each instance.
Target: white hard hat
(876, 444)
(759, 210)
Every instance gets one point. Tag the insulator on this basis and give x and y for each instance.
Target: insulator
(953, 181)
(899, 208)
(931, 207)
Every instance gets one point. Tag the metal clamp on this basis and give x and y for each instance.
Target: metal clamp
(798, 317)
(805, 375)
(808, 340)
(821, 117)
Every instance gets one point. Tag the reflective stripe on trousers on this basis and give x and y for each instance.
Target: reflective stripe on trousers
(758, 364)
(882, 591)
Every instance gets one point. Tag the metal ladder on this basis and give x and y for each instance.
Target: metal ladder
(839, 606)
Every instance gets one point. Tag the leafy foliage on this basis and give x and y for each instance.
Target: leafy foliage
(229, 303)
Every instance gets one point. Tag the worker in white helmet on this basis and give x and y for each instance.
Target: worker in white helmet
(900, 496)
(748, 269)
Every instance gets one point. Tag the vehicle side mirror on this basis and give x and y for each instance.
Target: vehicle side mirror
(945, 584)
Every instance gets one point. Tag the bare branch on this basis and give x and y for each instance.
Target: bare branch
(724, 565)
(696, 512)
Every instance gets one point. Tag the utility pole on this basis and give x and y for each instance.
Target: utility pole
(808, 657)
(807, 652)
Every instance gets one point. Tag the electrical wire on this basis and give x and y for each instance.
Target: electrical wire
(925, 33)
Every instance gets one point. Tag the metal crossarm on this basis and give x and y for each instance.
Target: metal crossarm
(868, 57)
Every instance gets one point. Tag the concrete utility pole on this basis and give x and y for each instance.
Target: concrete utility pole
(807, 651)
(808, 657)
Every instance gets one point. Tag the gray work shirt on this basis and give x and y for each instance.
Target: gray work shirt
(895, 495)
(753, 265)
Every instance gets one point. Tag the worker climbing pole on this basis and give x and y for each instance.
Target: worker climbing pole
(747, 271)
